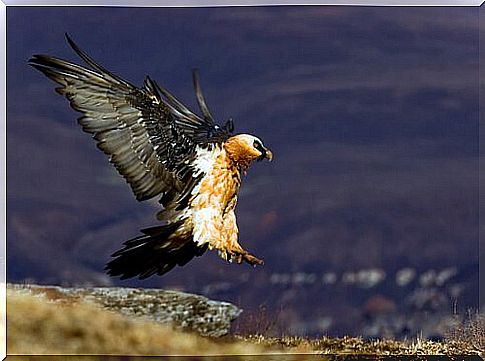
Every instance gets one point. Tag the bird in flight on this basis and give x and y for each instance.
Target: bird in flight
(162, 149)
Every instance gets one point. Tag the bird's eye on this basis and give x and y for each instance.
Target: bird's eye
(258, 145)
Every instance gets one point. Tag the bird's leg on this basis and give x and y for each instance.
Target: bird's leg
(231, 249)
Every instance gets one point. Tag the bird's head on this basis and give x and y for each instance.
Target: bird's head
(245, 148)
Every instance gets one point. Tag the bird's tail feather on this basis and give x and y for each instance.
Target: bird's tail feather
(153, 253)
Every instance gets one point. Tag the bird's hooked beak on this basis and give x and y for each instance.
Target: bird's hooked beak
(269, 154)
(266, 153)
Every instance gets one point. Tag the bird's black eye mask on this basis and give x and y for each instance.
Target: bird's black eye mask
(257, 145)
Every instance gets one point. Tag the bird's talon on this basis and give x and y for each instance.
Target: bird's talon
(252, 260)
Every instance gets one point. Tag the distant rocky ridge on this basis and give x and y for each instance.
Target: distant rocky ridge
(183, 311)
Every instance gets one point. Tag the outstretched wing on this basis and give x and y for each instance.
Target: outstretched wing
(149, 135)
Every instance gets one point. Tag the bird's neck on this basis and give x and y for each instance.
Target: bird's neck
(237, 153)
(237, 158)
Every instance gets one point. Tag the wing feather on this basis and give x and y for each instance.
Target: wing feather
(149, 135)
(115, 124)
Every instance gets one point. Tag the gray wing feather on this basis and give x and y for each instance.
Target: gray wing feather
(118, 127)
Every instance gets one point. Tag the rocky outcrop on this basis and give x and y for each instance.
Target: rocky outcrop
(183, 311)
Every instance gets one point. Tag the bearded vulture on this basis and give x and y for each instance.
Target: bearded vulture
(163, 149)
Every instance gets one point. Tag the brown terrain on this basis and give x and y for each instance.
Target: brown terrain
(45, 323)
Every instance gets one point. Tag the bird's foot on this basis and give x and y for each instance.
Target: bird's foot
(240, 255)
(252, 260)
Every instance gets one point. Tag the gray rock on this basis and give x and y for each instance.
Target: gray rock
(182, 310)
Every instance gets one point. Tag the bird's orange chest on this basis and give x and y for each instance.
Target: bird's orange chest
(221, 183)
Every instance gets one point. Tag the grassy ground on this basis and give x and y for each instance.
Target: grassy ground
(37, 325)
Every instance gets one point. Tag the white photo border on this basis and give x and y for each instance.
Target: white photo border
(173, 3)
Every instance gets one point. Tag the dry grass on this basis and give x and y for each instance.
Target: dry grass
(355, 345)
(470, 331)
(37, 324)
